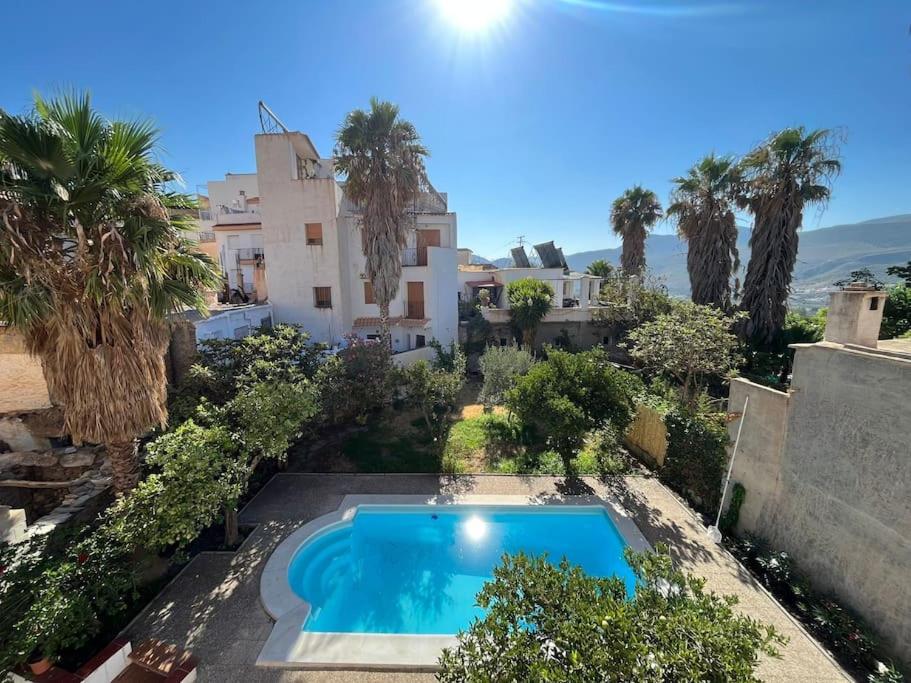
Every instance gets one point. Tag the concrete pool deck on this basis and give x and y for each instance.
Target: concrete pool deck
(213, 606)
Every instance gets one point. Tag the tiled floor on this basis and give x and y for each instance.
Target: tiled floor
(213, 609)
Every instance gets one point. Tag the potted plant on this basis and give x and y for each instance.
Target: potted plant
(484, 297)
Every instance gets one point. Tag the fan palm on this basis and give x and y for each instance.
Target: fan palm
(632, 215)
(91, 264)
(791, 169)
(600, 268)
(382, 158)
(702, 203)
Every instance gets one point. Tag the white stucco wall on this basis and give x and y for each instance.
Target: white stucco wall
(294, 268)
(233, 323)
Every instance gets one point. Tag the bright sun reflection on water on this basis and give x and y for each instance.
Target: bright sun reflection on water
(475, 528)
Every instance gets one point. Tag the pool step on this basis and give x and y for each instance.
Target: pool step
(317, 575)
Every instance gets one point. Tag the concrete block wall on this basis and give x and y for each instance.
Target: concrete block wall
(827, 472)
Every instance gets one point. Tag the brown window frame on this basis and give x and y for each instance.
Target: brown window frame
(369, 296)
(319, 302)
(313, 241)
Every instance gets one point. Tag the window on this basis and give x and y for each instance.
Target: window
(314, 233)
(322, 297)
(419, 341)
(373, 337)
(368, 293)
(874, 303)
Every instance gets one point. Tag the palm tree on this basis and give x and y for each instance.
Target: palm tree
(791, 169)
(91, 265)
(632, 215)
(600, 268)
(382, 157)
(702, 203)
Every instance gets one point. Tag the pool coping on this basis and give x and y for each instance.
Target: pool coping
(290, 647)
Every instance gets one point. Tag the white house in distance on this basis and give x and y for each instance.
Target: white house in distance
(233, 218)
(310, 252)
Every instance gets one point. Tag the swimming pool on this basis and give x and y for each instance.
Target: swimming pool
(386, 581)
(397, 569)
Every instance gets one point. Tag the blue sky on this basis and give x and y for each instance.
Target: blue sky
(534, 125)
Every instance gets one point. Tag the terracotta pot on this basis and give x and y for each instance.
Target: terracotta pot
(39, 666)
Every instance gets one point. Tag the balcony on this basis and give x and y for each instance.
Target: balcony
(249, 255)
(206, 236)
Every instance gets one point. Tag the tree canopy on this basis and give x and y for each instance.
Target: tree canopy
(632, 215)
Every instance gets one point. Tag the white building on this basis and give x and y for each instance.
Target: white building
(305, 239)
(575, 294)
(233, 218)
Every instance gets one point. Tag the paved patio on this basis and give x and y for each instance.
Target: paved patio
(212, 607)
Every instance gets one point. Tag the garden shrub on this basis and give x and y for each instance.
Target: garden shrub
(501, 367)
(530, 300)
(58, 591)
(557, 624)
(696, 455)
(356, 382)
(570, 394)
(434, 388)
(841, 631)
(196, 472)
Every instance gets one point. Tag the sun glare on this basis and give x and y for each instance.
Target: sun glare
(474, 15)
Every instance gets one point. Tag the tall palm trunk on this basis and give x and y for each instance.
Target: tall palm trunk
(632, 258)
(385, 334)
(124, 465)
(773, 254)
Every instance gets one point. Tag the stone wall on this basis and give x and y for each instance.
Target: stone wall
(827, 472)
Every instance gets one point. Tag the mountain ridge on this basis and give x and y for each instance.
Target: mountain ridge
(824, 255)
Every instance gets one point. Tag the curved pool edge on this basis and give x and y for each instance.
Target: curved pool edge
(289, 646)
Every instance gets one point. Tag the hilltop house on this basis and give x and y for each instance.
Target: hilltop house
(575, 301)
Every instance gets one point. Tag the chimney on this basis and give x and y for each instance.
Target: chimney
(854, 315)
(464, 256)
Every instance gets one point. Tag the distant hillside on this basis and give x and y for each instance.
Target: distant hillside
(824, 256)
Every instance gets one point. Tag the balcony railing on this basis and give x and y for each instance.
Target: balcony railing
(250, 254)
(205, 236)
(409, 257)
(414, 310)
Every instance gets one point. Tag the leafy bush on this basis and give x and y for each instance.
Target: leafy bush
(632, 301)
(771, 364)
(696, 455)
(896, 313)
(842, 632)
(530, 300)
(434, 389)
(197, 471)
(501, 366)
(270, 416)
(570, 394)
(58, 591)
(281, 354)
(555, 623)
(690, 344)
(356, 382)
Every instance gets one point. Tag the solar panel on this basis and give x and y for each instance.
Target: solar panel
(520, 258)
(550, 258)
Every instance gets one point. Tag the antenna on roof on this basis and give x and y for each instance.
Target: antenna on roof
(268, 121)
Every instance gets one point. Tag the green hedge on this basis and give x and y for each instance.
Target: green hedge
(696, 456)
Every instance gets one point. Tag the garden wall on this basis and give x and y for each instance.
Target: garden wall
(827, 472)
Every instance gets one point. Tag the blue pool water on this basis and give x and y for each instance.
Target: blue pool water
(395, 570)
